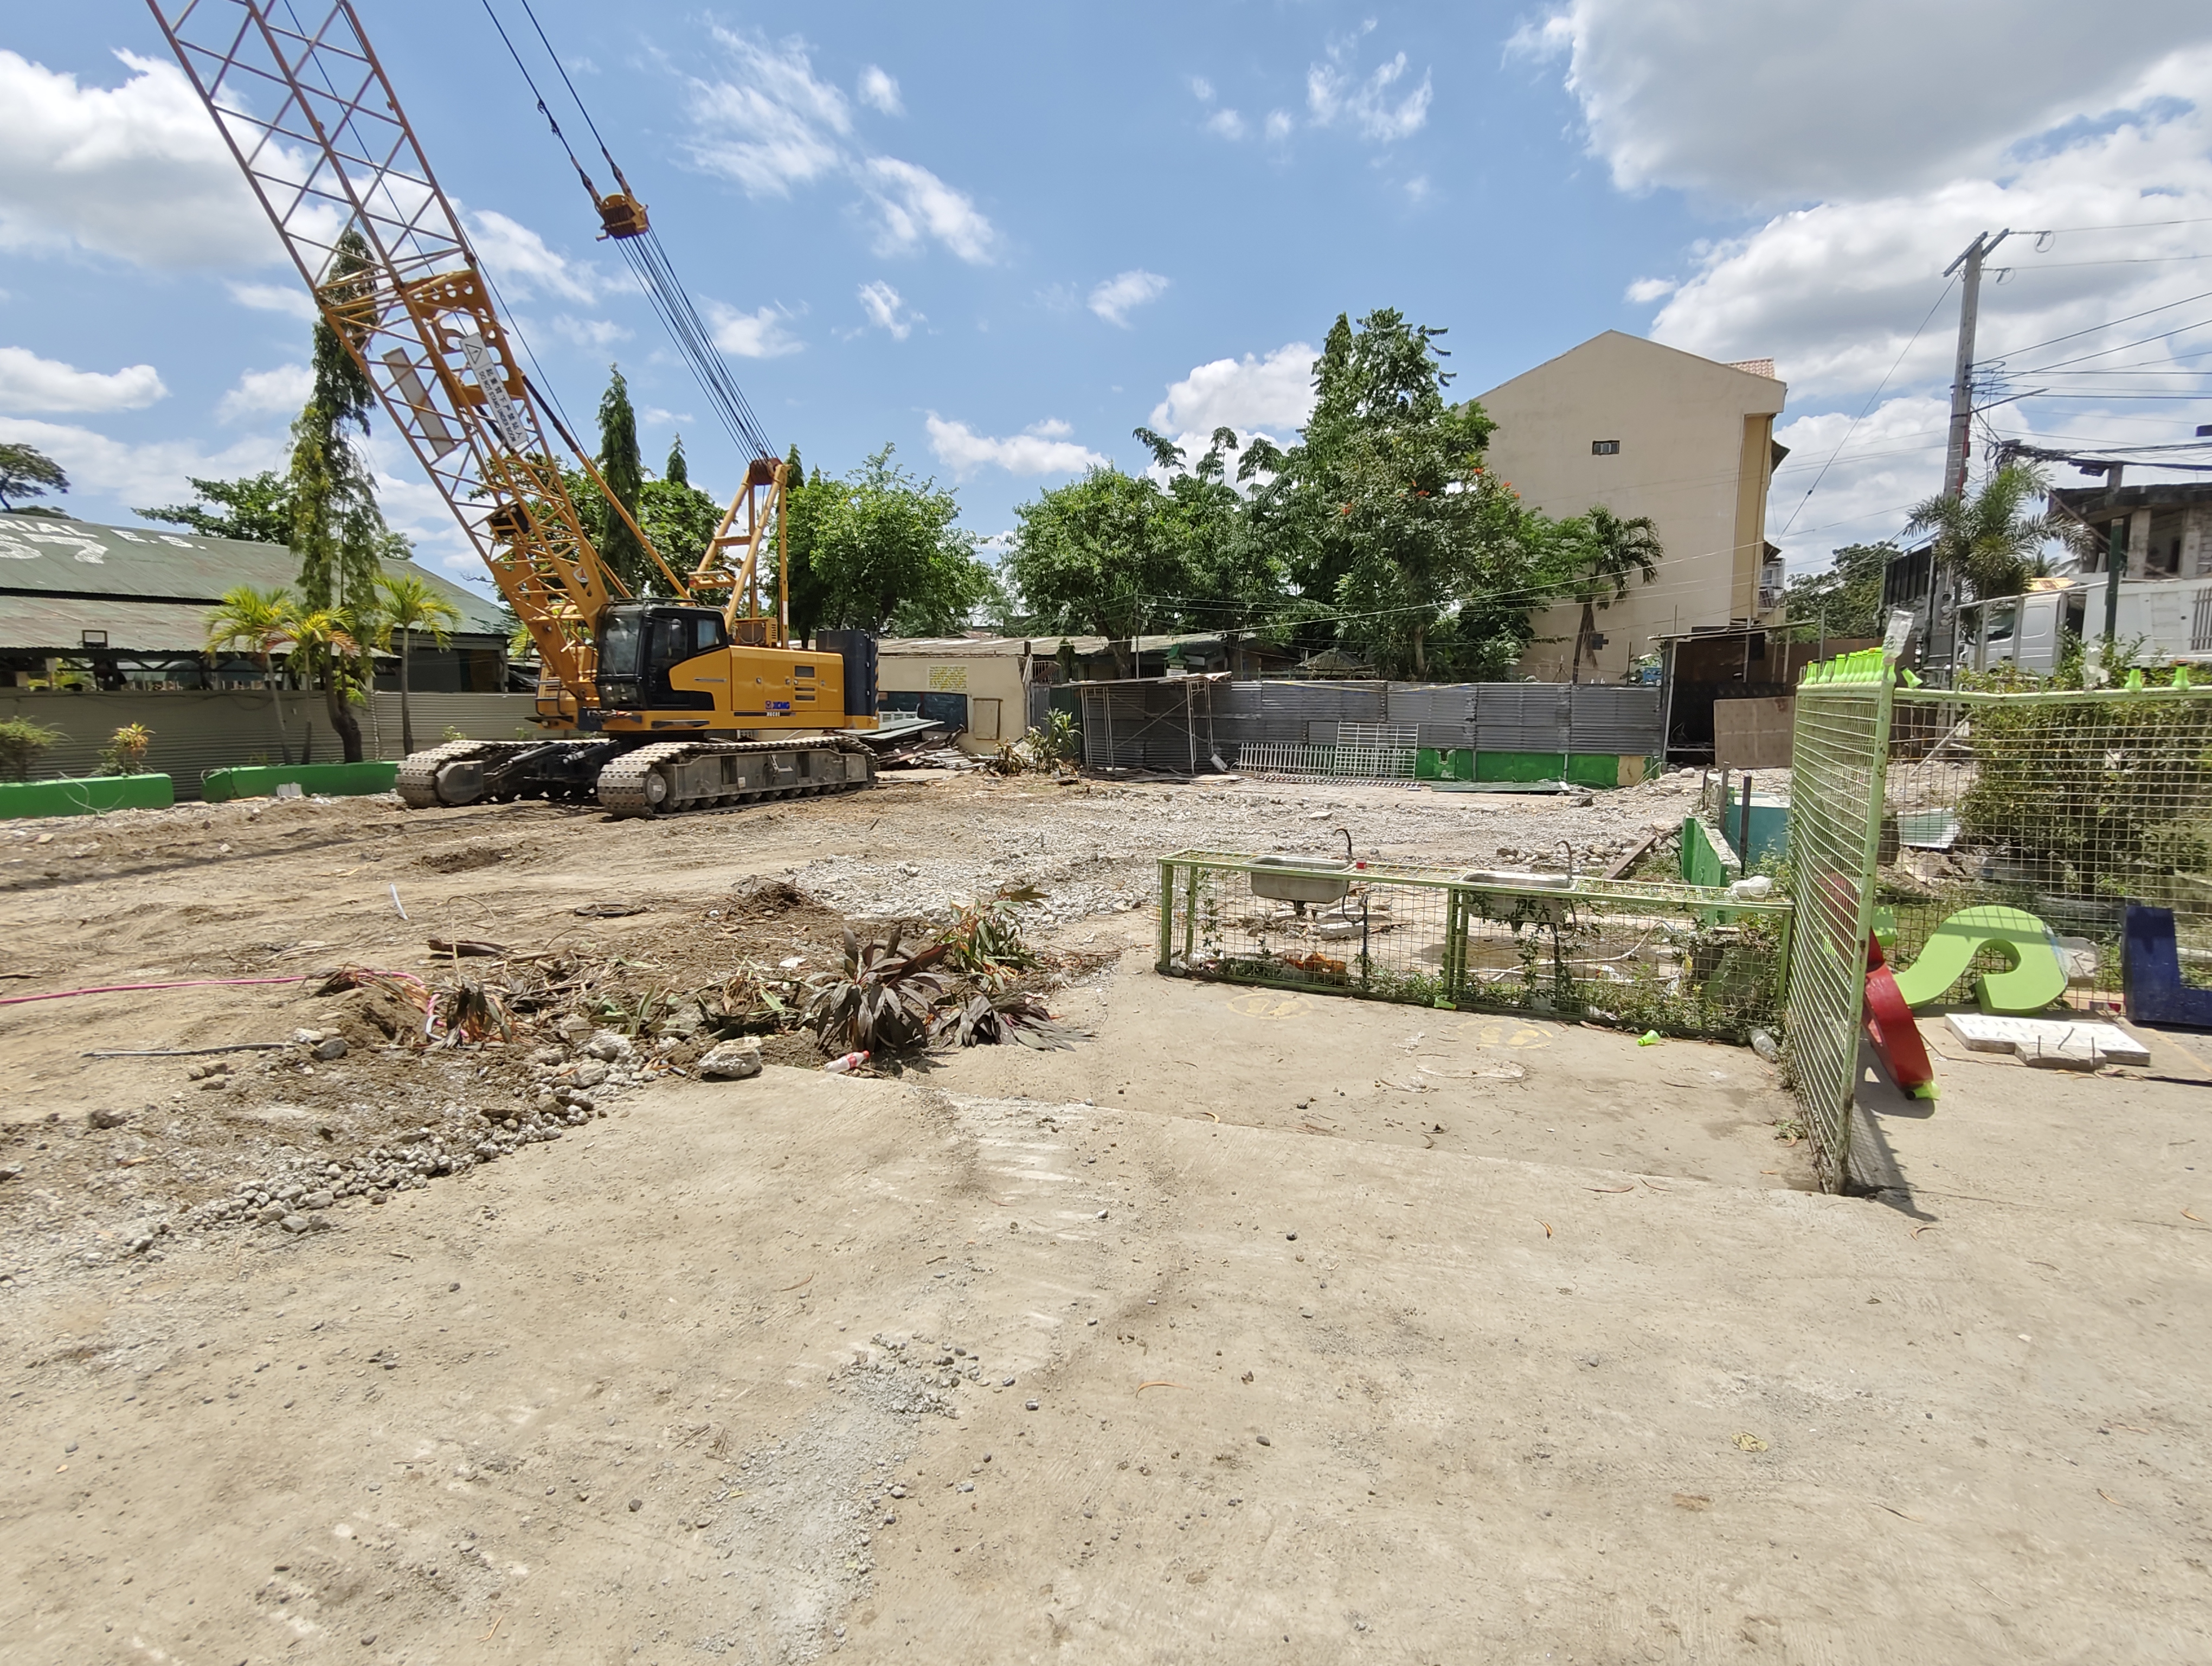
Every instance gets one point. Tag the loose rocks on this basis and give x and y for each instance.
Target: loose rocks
(731, 1061)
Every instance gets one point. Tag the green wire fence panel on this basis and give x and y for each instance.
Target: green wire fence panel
(1686, 960)
(1843, 720)
(2065, 806)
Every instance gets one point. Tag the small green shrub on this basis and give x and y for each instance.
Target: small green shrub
(24, 742)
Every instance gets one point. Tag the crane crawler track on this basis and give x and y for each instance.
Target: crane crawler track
(417, 785)
(669, 777)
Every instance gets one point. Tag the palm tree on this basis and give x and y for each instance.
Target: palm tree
(326, 642)
(258, 621)
(1990, 539)
(1603, 552)
(407, 605)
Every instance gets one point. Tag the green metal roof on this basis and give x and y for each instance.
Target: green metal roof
(58, 561)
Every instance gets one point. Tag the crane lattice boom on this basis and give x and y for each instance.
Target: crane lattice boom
(313, 122)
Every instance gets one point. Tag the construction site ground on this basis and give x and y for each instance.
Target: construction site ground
(1258, 1327)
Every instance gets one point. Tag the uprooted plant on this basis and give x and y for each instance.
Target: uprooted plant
(880, 1000)
(989, 1019)
(984, 940)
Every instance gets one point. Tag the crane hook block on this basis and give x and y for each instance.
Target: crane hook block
(621, 215)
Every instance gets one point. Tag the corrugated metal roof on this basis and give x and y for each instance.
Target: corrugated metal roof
(57, 624)
(61, 557)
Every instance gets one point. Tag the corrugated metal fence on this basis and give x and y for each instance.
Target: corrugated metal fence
(1177, 723)
(194, 732)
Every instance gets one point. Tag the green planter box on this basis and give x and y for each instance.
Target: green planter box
(331, 780)
(94, 795)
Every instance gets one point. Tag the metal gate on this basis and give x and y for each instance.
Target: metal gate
(1837, 772)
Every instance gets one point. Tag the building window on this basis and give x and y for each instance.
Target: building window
(1605, 448)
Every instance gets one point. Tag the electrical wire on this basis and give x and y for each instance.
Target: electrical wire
(2074, 335)
(1862, 417)
(649, 263)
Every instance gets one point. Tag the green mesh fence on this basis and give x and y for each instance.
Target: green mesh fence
(1842, 723)
(2064, 806)
(1686, 960)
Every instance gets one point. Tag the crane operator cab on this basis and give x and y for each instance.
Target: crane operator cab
(670, 667)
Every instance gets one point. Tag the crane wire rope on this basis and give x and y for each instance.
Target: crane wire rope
(648, 262)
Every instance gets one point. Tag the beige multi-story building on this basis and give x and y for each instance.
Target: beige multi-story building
(1649, 430)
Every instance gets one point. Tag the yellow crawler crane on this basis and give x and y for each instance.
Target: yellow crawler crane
(647, 705)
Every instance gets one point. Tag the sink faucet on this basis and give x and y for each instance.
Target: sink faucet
(1568, 845)
(1347, 845)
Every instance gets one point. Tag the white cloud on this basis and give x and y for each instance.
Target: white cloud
(1336, 91)
(1775, 101)
(28, 383)
(1201, 89)
(280, 392)
(879, 90)
(525, 266)
(1113, 300)
(914, 204)
(289, 299)
(1645, 291)
(771, 125)
(887, 311)
(755, 335)
(154, 472)
(592, 332)
(1273, 393)
(1833, 292)
(1044, 449)
(1278, 124)
(1889, 461)
(137, 172)
(1226, 123)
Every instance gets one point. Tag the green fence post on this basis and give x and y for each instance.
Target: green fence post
(1167, 911)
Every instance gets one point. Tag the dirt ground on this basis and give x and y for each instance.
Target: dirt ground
(1258, 1327)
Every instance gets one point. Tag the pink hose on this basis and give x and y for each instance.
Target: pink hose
(120, 988)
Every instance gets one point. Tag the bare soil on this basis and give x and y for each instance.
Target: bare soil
(1259, 1327)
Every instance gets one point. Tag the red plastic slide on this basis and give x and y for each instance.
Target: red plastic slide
(1890, 1027)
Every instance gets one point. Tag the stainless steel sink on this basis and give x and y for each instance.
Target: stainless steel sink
(1300, 879)
(1518, 878)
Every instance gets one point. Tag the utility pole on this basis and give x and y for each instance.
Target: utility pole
(1962, 376)
(2116, 559)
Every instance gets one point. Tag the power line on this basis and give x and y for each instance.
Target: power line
(2120, 225)
(2165, 306)
(1862, 417)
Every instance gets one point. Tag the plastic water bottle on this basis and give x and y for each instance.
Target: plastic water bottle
(847, 1065)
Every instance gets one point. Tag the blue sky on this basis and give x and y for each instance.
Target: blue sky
(1000, 237)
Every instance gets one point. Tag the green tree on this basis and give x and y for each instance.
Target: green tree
(27, 472)
(256, 507)
(1394, 520)
(326, 646)
(677, 516)
(337, 531)
(1237, 577)
(406, 605)
(886, 554)
(258, 622)
(806, 503)
(1599, 553)
(623, 470)
(1100, 554)
(1989, 537)
(1844, 598)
